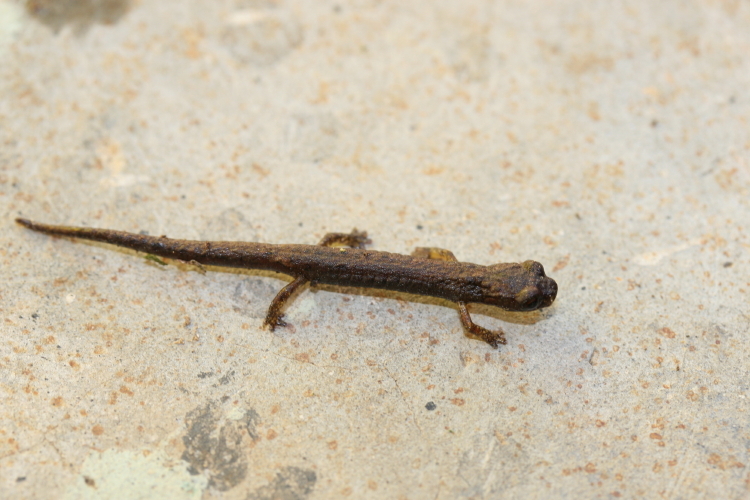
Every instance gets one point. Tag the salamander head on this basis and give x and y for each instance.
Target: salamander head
(518, 287)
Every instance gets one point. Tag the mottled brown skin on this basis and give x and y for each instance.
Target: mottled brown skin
(428, 271)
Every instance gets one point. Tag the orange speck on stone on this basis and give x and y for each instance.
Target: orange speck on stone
(667, 332)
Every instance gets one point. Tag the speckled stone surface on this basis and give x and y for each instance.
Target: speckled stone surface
(608, 140)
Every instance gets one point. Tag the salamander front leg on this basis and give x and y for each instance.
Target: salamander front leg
(274, 316)
(434, 253)
(355, 239)
(492, 338)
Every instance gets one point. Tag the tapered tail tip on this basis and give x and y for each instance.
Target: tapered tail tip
(24, 222)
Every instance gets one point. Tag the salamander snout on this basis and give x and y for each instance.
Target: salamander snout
(540, 292)
(548, 291)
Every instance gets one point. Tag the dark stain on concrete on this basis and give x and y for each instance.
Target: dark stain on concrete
(216, 446)
(291, 483)
(79, 14)
(227, 378)
(250, 421)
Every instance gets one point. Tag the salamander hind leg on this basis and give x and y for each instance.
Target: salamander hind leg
(274, 316)
(355, 239)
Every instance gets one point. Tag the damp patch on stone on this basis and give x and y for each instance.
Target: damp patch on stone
(290, 483)
(216, 444)
(78, 14)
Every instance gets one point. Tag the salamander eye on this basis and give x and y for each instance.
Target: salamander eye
(533, 305)
(534, 268)
(529, 298)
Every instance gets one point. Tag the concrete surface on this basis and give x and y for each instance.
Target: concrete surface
(608, 140)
